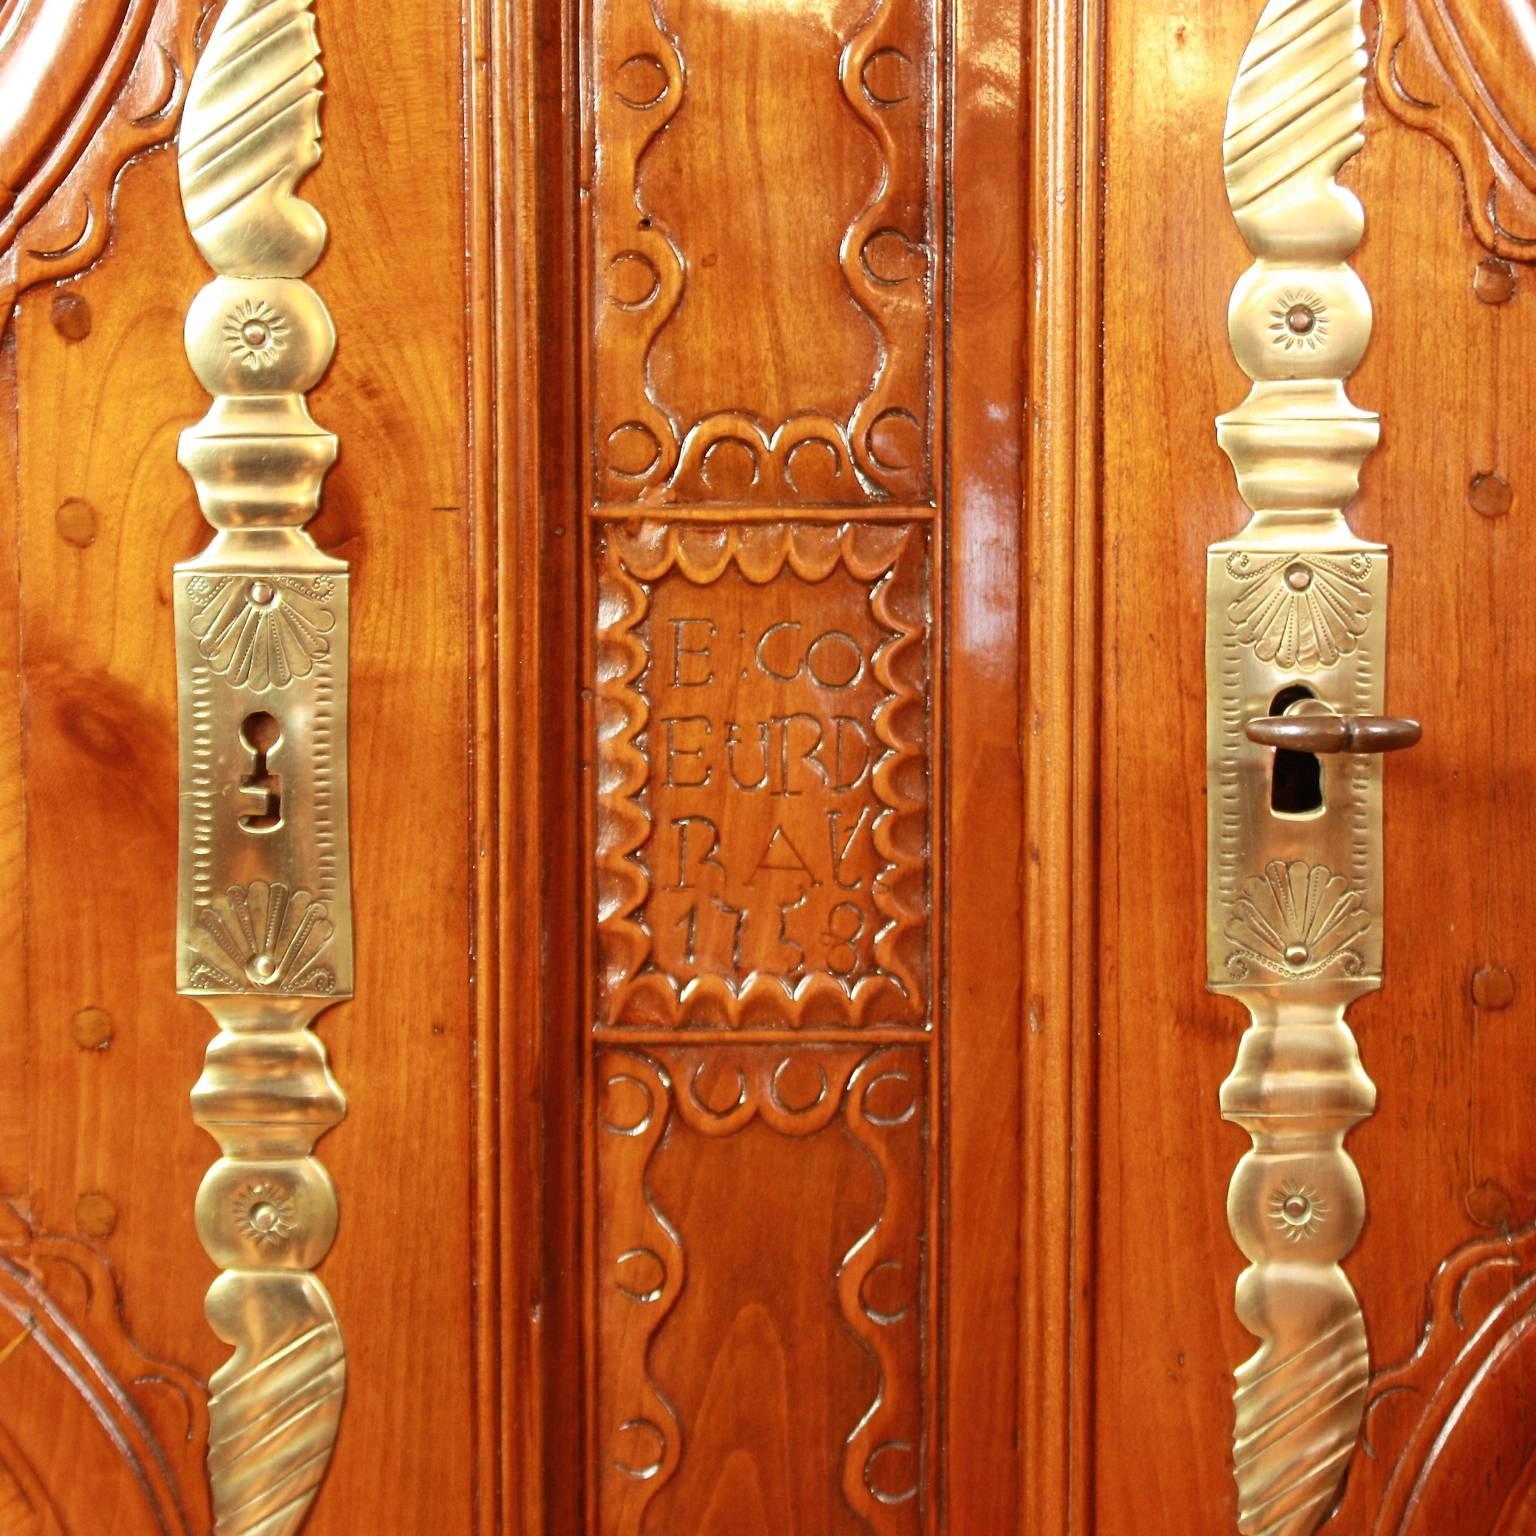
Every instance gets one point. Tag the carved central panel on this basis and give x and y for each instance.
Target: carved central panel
(761, 225)
(763, 730)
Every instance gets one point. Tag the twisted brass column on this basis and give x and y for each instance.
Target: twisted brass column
(265, 935)
(1295, 653)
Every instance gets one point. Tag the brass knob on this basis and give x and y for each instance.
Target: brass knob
(1322, 732)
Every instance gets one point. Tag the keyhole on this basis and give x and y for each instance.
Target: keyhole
(260, 735)
(1296, 783)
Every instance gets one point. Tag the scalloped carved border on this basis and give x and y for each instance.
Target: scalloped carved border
(638, 273)
(891, 558)
(1457, 78)
(107, 80)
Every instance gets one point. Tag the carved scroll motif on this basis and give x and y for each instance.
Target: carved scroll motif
(1461, 70)
(1296, 611)
(83, 88)
(62, 1329)
(261, 627)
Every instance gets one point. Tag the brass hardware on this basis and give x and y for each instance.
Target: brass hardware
(1334, 733)
(1295, 652)
(265, 925)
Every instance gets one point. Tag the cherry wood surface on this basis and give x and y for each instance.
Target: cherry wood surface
(777, 464)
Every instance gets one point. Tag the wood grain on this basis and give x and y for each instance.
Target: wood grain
(96, 420)
(1060, 1191)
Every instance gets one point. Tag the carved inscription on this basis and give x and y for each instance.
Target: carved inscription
(762, 847)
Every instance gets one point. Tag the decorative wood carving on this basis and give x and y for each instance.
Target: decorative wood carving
(1296, 621)
(64, 1319)
(662, 1110)
(83, 88)
(762, 556)
(1461, 70)
(262, 635)
(1449, 1437)
(762, 757)
(668, 418)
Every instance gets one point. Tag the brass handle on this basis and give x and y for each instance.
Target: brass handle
(1334, 733)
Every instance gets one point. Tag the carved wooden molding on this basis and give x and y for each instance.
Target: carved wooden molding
(61, 1300)
(83, 88)
(1449, 1441)
(874, 968)
(1461, 70)
(881, 1290)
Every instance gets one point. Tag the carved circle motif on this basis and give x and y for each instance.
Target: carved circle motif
(633, 281)
(633, 450)
(640, 81)
(890, 1099)
(891, 1472)
(799, 1085)
(884, 1294)
(645, 1452)
(888, 78)
(627, 1105)
(643, 1276)
(890, 257)
(894, 440)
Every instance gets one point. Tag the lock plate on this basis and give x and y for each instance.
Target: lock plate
(1292, 897)
(264, 910)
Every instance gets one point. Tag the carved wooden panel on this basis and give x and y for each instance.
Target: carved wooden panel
(762, 577)
(1462, 70)
(762, 757)
(770, 340)
(82, 88)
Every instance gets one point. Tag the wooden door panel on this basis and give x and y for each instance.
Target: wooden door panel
(776, 467)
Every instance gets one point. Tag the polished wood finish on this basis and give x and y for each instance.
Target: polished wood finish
(1048, 275)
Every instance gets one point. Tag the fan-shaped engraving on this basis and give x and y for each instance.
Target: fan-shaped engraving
(1296, 920)
(262, 633)
(263, 937)
(1300, 611)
